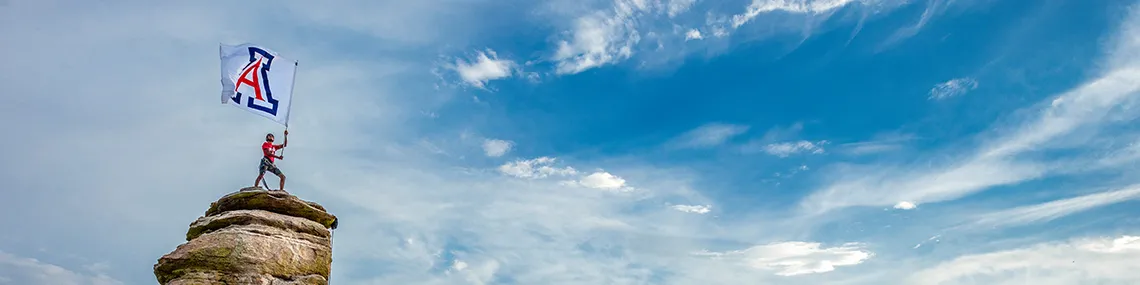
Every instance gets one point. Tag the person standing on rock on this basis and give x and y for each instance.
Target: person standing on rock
(268, 153)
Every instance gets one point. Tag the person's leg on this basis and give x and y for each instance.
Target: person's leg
(282, 181)
(261, 172)
(258, 181)
(277, 171)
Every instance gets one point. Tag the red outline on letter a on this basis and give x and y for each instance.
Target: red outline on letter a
(252, 82)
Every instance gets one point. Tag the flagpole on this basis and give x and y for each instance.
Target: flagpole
(292, 93)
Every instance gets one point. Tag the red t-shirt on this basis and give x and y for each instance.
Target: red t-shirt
(267, 149)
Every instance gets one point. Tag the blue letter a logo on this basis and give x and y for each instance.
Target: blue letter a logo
(255, 75)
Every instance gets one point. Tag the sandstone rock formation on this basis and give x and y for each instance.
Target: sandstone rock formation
(254, 236)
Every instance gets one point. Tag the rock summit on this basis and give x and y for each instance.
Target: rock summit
(254, 236)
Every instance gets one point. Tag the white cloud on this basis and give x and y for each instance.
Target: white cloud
(933, 239)
(1055, 209)
(602, 180)
(485, 67)
(791, 6)
(904, 205)
(696, 209)
(21, 270)
(719, 32)
(881, 143)
(870, 148)
(796, 258)
(785, 149)
(1079, 261)
(693, 34)
(953, 87)
(459, 265)
(601, 38)
(932, 8)
(676, 7)
(535, 168)
(496, 147)
(708, 135)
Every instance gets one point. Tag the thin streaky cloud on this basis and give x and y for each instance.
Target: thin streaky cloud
(795, 258)
(793, 6)
(879, 144)
(952, 88)
(786, 149)
(695, 209)
(932, 8)
(1089, 260)
(708, 135)
(1049, 211)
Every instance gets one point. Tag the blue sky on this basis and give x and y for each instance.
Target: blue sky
(591, 142)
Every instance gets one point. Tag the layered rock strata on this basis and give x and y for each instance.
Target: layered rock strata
(254, 236)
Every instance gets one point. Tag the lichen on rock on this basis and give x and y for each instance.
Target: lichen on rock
(273, 201)
(254, 236)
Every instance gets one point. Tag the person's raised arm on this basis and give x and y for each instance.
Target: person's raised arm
(286, 142)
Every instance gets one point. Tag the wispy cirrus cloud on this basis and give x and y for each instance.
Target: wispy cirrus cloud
(676, 7)
(789, 6)
(953, 87)
(882, 143)
(786, 149)
(1077, 261)
(626, 28)
(932, 8)
(708, 135)
(696, 209)
(795, 258)
(601, 38)
(1045, 212)
(783, 142)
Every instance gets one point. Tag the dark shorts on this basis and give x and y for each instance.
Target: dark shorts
(266, 165)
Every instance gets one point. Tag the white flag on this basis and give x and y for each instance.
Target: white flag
(258, 80)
